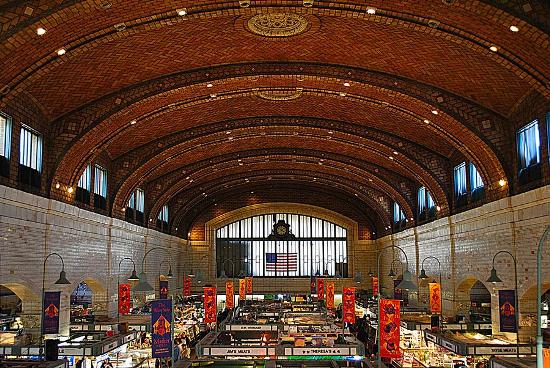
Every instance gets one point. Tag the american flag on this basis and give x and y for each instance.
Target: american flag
(281, 262)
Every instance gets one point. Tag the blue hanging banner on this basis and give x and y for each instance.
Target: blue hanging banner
(161, 322)
(50, 309)
(507, 310)
(397, 292)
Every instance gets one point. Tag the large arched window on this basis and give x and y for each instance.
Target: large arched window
(251, 247)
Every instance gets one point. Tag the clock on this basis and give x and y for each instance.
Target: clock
(281, 229)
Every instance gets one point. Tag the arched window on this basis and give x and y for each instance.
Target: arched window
(281, 245)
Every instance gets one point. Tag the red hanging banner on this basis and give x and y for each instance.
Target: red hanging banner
(435, 297)
(320, 289)
(248, 285)
(186, 286)
(210, 304)
(124, 298)
(390, 322)
(375, 287)
(229, 295)
(242, 289)
(348, 302)
(330, 294)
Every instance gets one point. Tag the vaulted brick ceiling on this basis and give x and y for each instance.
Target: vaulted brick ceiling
(204, 103)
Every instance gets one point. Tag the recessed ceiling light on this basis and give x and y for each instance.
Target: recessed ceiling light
(391, 157)
(213, 95)
(438, 208)
(57, 185)
(493, 48)
(346, 84)
(426, 121)
(514, 29)
(209, 85)
(181, 12)
(70, 190)
(133, 122)
(61, 52)
(228, 132)
(435, 112)
(343, 94)
(502, 182)
(370, 180)
(395, 153)
(371, 11)
(330, 132)
(251, 192)
(40, 31)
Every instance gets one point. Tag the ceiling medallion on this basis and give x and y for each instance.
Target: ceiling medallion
(280, 94)
(277, 24)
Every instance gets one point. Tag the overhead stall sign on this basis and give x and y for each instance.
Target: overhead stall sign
(390, 322)
(50, 311)
(348, 302)
(161, 322)
(124, 298)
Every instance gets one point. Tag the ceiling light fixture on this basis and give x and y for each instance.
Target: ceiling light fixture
(493, 48)
(213, 95)
(40, 31)
(181, 12)
(371, 11)
(502, 182)
(395, 152)
(70, 190)
(514, 29)
(57, 185)
(209, 85)
(438, 208)
(133, 122)
(343, 94)
(435, 112)
(346, 84)
(61, 52)
(426, 121)
(391, 157)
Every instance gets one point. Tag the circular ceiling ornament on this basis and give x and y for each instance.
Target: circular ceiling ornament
(277, 24)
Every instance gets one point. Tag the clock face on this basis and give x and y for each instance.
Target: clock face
(281, 230)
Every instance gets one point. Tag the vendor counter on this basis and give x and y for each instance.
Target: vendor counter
(471, 344)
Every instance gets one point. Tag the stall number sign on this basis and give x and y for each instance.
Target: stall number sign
(241, 351)
(250, 327)
(322, 351)
(430, 337)
(448, 345)
(489, 350)
(71, 351)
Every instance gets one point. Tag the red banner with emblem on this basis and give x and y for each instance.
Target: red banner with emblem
(124, 298)
(210, 304)
(435, 297)
(348, 302)
(320, 288)
(248, 285)
(229, 295)
(330, 294)
(242, 289)
(390, 322)
(375, 287)
(186, 286)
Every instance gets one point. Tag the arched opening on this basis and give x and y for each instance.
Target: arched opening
(480, 303)
(11, 307)
(20, 309)
(82, 304)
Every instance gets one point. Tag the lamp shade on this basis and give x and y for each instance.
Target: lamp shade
(392, 273)
(494, 277)
(191, 274)
(143, 285)
(357, 278)
(133, 276)
(406, 283)
(62, 279)
(423, 275)
(170, 274)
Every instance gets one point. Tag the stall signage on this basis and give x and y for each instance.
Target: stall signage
(375, 287)
(229, 294)
(250, 327)
(186, 286)
(330, 294)
(163, 287)
(448, 345)
(210, 305)
(242, 289)
(50, 311)
(71, 351)
(248, 285)
(124, 299)
(161, 322)
(390, 320)
(349, 304)
(320, 288)
(110, 346)
(435, 297)
(430, 337)
(320, 351)
(239, 351)
(489, 350)
(507, 310)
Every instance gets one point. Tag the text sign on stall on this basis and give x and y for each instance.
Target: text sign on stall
(244, 351)
(321, 351)
(507, 310)
(161, 323)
